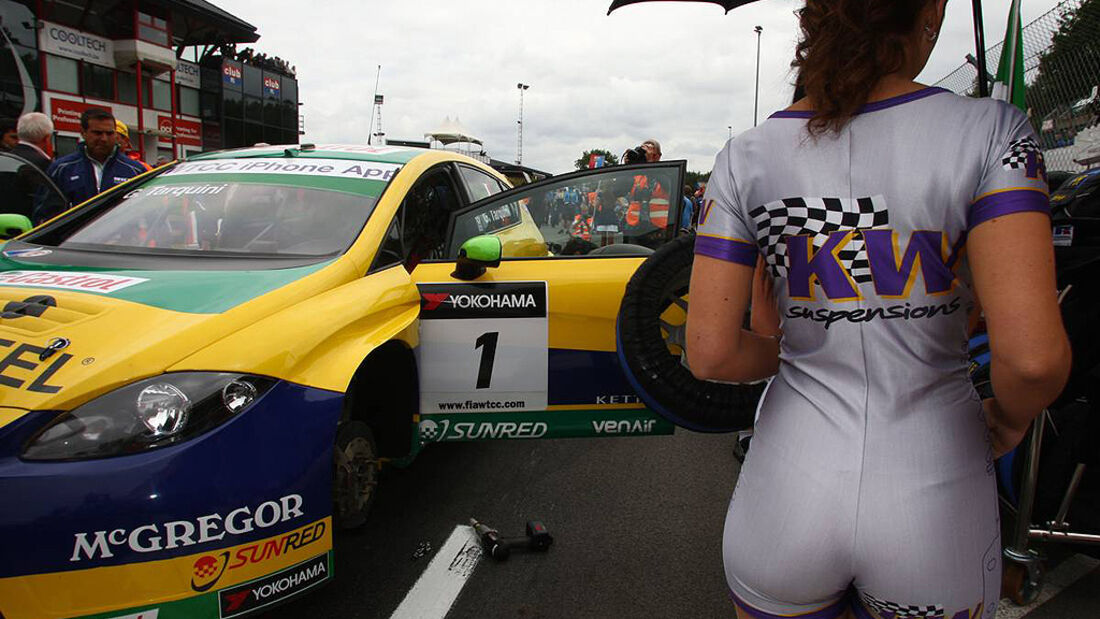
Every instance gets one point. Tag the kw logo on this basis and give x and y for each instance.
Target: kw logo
(893, 272)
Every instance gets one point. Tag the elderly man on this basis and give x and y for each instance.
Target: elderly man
(34, 130)
(22, 187)
(97, 164)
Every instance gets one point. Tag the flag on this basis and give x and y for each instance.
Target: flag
(1009, 84)
(595, 161)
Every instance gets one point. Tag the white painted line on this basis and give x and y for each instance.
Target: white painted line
(1067, 573)
(438, 587)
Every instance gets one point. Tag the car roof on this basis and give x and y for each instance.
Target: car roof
(353, 152)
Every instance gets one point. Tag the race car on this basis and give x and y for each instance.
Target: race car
(202, 370)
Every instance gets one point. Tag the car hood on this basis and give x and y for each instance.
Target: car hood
(69, 334)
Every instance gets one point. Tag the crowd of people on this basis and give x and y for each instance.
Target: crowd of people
(254, 58)
(618, 208)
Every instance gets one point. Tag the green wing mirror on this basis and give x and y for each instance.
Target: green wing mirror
(476, 255)
(12, 225)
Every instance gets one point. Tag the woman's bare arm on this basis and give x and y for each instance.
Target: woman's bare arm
(1012, 261)
(718, 348)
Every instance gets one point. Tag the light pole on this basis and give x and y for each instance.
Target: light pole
(519, 137)
(729, 131)
(756, 96)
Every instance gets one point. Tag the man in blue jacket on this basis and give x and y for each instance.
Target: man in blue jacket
(97, 164)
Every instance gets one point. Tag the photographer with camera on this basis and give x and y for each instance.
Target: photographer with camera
(647, 210)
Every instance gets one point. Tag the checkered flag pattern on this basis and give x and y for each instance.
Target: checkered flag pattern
(818, 217)
(1016, 155)
(900, 611)
(205, 569)
(429, 430)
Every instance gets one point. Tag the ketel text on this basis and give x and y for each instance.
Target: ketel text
(181, 533)
(21, 367)
(208, 569)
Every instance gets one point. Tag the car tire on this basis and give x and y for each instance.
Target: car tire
(355, 474)
(660, 377)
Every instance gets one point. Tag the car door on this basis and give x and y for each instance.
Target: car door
(24, 185)
(528, 349)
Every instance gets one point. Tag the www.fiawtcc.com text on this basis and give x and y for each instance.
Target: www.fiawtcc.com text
(481, 405)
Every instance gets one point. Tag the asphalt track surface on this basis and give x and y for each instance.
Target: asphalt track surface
(637, 525)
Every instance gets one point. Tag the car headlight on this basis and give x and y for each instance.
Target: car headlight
(154, 412)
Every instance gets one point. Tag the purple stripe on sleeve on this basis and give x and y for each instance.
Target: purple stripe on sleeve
(1006, 203)
(832, 611)
(726, 249)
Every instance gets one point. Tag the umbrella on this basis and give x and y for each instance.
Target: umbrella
(979, 30)
(729, 5)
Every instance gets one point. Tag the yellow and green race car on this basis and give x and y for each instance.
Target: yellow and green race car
(201, 370)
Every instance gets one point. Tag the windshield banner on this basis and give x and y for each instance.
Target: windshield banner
(333, 168)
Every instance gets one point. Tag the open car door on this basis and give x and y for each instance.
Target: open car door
(527, 349)
(23, 186)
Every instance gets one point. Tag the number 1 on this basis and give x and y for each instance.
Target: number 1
(487, 342)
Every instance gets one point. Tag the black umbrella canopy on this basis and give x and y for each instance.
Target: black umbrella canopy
(729, 5)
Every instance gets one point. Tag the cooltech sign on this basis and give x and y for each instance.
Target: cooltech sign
(73, 43)
(156, 537)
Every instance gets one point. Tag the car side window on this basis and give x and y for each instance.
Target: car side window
(425, 212)
(617, 210)
(392, 250)
(479, 185)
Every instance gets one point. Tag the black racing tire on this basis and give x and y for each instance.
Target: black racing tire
(661, 379)
(355, 474)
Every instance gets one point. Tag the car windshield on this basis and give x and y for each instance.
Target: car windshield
(274, 207)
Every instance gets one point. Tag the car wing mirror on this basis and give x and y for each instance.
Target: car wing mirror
(12, 225)
(476, 255)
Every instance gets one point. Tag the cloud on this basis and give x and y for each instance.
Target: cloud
(682, 73)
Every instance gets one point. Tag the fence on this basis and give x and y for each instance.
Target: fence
(1062, 74)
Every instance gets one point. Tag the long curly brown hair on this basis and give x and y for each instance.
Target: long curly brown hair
(846, 47)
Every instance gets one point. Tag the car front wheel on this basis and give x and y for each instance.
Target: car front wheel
(355, 477)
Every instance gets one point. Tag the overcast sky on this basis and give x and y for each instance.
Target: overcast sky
(680, 72)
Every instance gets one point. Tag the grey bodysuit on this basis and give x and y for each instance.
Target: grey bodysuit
(870, 476)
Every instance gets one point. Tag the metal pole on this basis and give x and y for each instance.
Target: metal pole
(979, 44)
(519, 134)
(370, 128)
(756, 95)
(1015, 21)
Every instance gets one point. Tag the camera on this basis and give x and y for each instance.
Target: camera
(634, 155)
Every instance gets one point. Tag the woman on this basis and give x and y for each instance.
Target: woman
(881, 209)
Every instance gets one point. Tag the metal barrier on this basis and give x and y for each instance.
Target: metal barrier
(1062, 74)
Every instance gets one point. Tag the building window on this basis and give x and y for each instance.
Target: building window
(188, 101)
(99, 82)
(253, 134)
(253, 108)
(157, 95)
(127, 88)
(63, 145)
(234, 106)
(153, 29)
(62, 74)
(253, 81)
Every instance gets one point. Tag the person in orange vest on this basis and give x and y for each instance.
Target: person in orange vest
(582, 224)
(648, 199)
(122, 134)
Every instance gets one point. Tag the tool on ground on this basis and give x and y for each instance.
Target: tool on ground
(537, 538)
